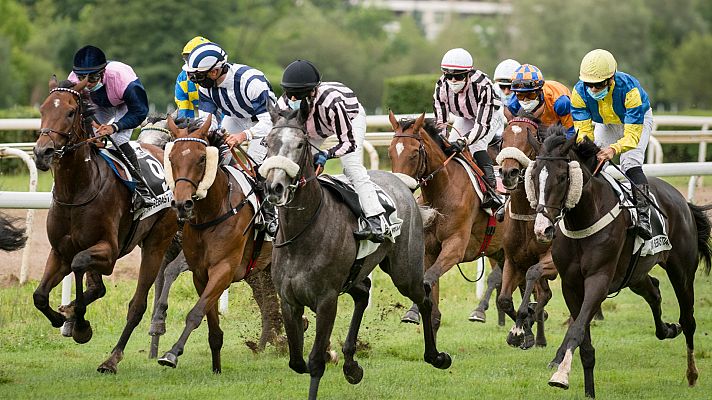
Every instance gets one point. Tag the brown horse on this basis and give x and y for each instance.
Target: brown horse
(525, 258)
(90, 224)
(593, 250)
(218, 238)
(458, 231)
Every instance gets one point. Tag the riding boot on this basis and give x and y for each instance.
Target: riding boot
(373, 230)
(138, 201)
(490, 199)
(643, 207)
(269, 212)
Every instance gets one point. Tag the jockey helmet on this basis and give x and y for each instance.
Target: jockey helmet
(504, 71)
(204, 57)
(193, 43)
(527, 78)
(456, 60)
(88, 60)
(300, 76)
(598, 65)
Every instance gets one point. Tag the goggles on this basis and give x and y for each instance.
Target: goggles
(597, 85)
(526, 85)
(197, 76)
(91, 78)
(456, 76)
(527, 95)
(297, 94)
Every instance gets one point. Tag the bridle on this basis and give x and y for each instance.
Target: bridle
(182, 178)
(422, 157)
(541, 208)
(77, 129)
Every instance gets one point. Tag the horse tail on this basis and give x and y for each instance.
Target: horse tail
(704, 227)
(11, 237)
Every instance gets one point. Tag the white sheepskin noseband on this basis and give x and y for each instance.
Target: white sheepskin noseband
(575, 185)
(515, 153)
(408, 180)
(279, 162)
(211, 169)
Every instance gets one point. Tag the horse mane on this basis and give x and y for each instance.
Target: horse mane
(430, 127)
(152, 118)
(66, 84)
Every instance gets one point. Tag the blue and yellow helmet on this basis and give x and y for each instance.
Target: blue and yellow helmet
(527, 78)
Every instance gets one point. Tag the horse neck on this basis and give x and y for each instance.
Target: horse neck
(299, 212)
(518, 202)
(440, 183)
(596, 195)
(76, 172)
(214, 204)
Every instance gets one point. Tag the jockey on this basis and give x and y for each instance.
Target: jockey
(240, 94)
(467, 93)
(120, 98)
(620, 107)
(186, 92)
(503, 88)
(335, 110)
(549, 100)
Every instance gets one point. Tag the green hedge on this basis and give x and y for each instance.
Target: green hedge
(409, 94)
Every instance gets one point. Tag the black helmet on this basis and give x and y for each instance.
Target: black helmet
(299, 76)
(88, 60)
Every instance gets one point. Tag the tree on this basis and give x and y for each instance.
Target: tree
(685, 80)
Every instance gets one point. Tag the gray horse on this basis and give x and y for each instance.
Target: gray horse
(315, 249)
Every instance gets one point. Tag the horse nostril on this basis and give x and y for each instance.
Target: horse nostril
(188, 205)
(549, 231)
(514, 172)
(278, 189)
(48, 152)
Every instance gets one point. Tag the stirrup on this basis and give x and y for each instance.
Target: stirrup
(372, 231)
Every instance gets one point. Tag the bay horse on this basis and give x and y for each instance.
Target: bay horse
(458, 231)
(11, 237)
(90, 224)
(218, 236)
(525, 258)
(155, 131)
(594, 258)
(314, 251)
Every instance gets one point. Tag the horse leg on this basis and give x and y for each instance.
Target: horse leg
(523, 324)
(494, 281)
(266, 297)
(325, 316)
(432, 356)
(648, 288)
(412, 316)
(151, 255)
(215, 337)
(173, 251)
(170, 274)
(352, 371)
(55, 271)
(294, 327)
(683, 282)
(453, 250)
(209, 284)
(542, 299)
(587, 354)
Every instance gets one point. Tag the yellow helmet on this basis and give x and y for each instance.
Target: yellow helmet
(193, 43)
(598, 65)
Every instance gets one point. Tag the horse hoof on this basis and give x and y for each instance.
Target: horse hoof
(411, 317)
(442, 361)
(545, 316)
(675, 330)
(305, 323)
(106, 368)
(80, 335)
(67, 328)
(477, 316)
(169, 360)
(157, 329)
(353, 373)
(559, 381)
(553, 365)
(528, 342)
(515, 338)
(299, 367)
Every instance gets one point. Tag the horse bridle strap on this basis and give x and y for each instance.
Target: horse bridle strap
(525, 121)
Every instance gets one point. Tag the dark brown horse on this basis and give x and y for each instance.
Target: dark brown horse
(458, 231)
(90, 224)
(525, 258)
(594, 247)
(218, 238)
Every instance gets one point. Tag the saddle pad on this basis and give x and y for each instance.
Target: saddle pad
(343, 189)
(475, 182)
(659, 242)
(246, 187)
(151, 171)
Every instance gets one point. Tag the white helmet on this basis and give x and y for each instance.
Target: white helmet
(205, 57)
(456, 60)
(504, 71)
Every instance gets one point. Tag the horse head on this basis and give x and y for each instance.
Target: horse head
(554, 183)
(61, 123)
(194, 162)
(518, 148)
(287, 165)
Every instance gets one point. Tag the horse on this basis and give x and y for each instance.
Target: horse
(218, 238)
(155, 131)
(314, 251)
(11, 237)
(593, 250)
(90, 224)
(525, 258)
(458, 232)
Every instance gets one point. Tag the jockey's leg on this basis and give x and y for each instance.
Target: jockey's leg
(632, 165)
(257, 151)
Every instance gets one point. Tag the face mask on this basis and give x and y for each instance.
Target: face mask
(97, 87)
(206, 82)
(456, 86)
(529, 105)
(597, 96)
(294, 104)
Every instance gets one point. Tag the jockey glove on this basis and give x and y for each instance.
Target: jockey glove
(458, 145)
(320, 159)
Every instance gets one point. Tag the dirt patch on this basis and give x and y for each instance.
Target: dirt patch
(128, 266)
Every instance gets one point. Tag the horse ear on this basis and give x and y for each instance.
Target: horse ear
(273, 111)
(419, 123)
(534, 143)
(206, 125)
(171, 125)
(303, 112)
(394, 122)
(53, 84)
(568, 145)
(80, 86)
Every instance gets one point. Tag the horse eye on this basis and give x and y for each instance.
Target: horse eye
(202, 159)
(300, 145)
(70, 114)
(561, 178)
(412, 156)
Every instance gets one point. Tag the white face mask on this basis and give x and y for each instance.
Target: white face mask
(97, 86)
(456, 86)
(529, 105)
(294, 104)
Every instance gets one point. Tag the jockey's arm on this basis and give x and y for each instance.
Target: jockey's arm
(182, 97)
(137, 106)
(341, 123)
(562, 107)
(581, 116)
(486, 109)
(632, 122)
